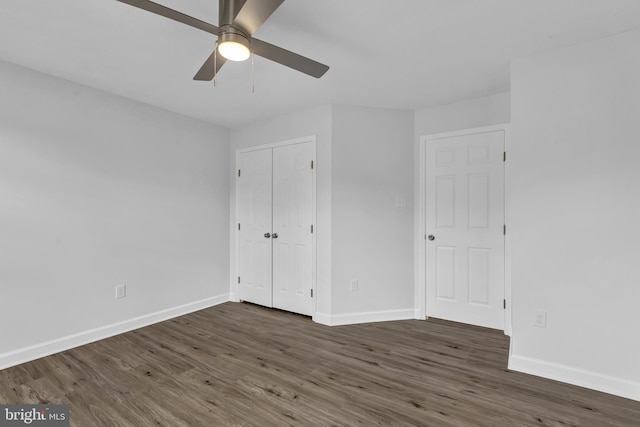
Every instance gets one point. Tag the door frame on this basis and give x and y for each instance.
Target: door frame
(236, 256)
(421, 243)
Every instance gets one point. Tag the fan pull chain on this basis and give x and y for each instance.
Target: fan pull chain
(215, 63)
(253, 80)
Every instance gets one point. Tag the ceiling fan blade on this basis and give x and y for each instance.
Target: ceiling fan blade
(254, 12)
(288, 58)
(172, 14)
(207, 72)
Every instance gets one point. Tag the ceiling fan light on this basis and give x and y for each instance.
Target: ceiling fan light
(234, 47)
(234, 51)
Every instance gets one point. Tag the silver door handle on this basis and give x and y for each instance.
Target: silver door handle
(267, 235)
(275, 235)
(431, 237)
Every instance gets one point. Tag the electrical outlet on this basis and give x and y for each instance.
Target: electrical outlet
(354, 285)
(540, 318)
(121, 291)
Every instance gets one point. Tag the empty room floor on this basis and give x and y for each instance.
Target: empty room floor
(240, 364)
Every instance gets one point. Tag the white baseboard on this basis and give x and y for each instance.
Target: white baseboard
(582, 378)
(364, 317)
(37, 351)
(322, 318)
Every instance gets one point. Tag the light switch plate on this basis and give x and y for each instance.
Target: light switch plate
(121, 291)
(540, 318)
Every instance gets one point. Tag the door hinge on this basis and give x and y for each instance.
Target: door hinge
(238, 172)
(311, 228)
(504, 230)
(504, 304)
(504, 156)
(311, 164)
(311, 293)
(238, 226)
(238, 279)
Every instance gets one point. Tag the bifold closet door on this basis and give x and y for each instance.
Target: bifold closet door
(254, 189)
(275, 210)
(292, 228)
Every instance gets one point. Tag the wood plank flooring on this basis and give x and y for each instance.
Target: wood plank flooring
(244, 365)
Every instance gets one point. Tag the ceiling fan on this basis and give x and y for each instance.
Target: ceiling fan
(237, 21)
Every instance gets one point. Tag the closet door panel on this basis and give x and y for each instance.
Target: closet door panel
(292, 234)
(255, 218)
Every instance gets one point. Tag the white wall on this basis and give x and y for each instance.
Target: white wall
(376, 248)
(575, 205)
(316, 121)
(372, 159)
(472, 113)
(97, 190)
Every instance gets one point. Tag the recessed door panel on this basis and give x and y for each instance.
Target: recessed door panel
(281, 262)
(478, 200)
(479, 153)
(479, 275)
(445, 273)
(445, 201)
(445, 157)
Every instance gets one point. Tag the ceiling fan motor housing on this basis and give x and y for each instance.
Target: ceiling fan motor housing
(233, 34)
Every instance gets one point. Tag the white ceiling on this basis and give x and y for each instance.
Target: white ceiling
(405, 54)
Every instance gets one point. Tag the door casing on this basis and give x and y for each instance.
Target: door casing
(420, 238)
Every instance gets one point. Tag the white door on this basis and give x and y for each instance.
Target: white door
(465, 223)
(275, 211)
(255, 219)
(292, 234)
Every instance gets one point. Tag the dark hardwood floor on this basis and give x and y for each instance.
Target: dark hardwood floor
(239, 364)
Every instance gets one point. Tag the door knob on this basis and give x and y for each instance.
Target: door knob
(267, 235)
(432, 237)
(275, 235)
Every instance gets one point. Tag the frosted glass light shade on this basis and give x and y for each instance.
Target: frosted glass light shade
(234, 51)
